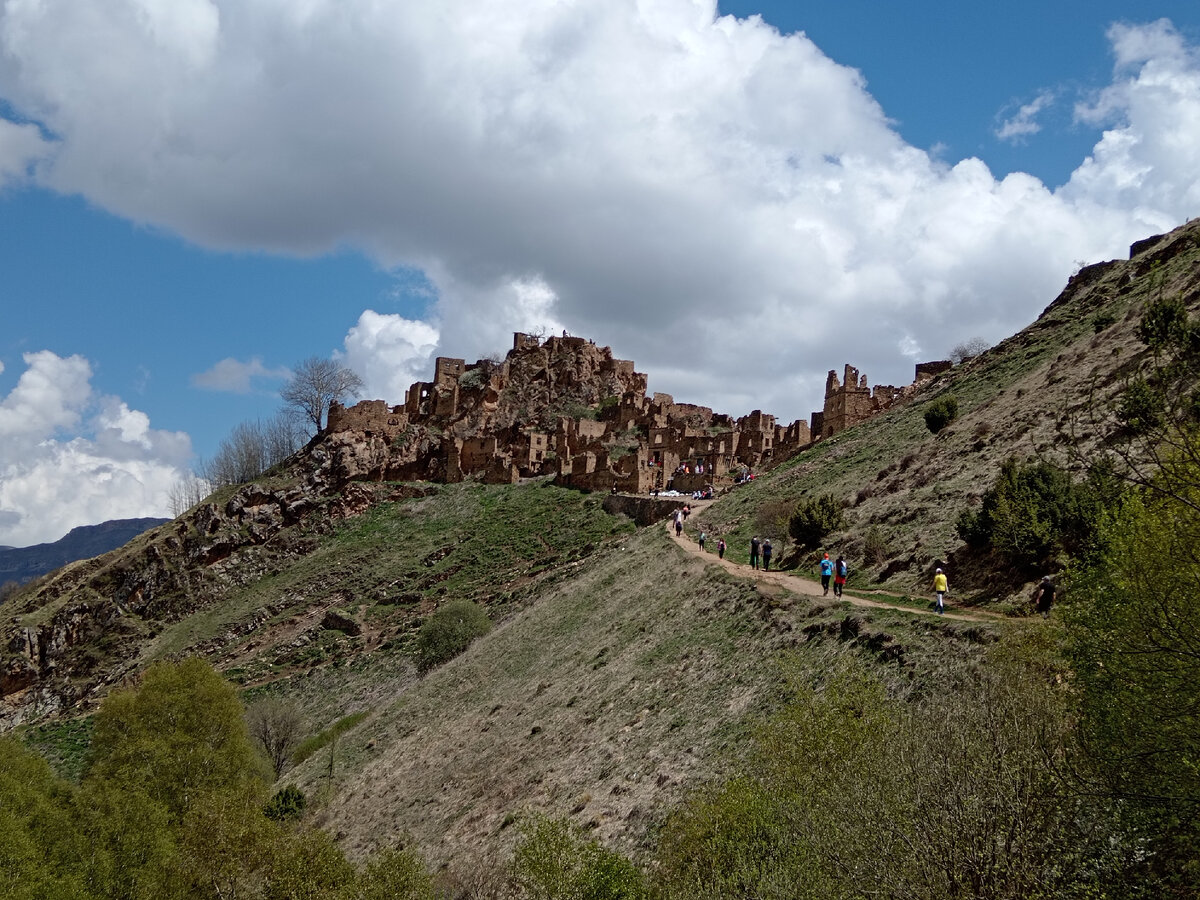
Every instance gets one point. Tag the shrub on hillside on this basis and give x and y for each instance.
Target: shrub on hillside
(815, 518)
(556, 861)
(876, 549)
(287, 804)
(449, 631)
(845, 789)
(941, 413)
(1036, 509)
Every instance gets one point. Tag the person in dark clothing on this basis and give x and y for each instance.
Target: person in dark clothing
(766, 555)
(1043, 596)
(754, 545)
(721, 548)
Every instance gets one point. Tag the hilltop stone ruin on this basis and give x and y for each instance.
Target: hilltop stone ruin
(564, 406)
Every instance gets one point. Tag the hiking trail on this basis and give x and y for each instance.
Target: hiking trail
(798, 585)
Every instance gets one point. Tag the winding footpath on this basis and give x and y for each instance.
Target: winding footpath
(811, 588)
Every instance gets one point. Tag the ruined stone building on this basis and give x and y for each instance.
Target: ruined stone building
(563, 406)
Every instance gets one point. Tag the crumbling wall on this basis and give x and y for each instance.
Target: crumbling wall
(501, 425)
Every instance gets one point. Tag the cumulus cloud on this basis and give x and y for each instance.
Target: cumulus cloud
(723, 203)
(1024, 122)
(70, 456)
(390, 352)
(238, 377)
(1148, 159)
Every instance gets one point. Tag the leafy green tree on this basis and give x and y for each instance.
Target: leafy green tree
(132, 845)
(1134, 624)
(40, 855)
(176, 737)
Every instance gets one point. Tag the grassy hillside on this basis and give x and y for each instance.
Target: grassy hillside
(623, 672)
(606, 700)
(1027, 397)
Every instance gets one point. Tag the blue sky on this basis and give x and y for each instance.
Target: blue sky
(738, 206)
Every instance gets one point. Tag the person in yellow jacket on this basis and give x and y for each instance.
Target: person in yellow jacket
(940, 587)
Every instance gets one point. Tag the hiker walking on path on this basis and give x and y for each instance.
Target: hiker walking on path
(940, 587)
(766, 555)
(754, 552)
(700, 540)
(1043, 596)
(720, 548)
(826, 573)
(678, 523)
(840, 573)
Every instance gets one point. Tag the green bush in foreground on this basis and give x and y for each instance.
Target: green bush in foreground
(851, 791)
(556, 861)
(171, 808)
(449, 631)
(1134, 621)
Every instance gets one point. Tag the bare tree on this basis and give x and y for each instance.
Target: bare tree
(251, 449)
(277, 726)
(968, 349)
(187, 492)
(317, 383)
(282, 436)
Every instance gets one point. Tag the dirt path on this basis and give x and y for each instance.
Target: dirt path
(810, 588)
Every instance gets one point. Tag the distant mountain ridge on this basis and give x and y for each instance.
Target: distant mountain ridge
(22, 564)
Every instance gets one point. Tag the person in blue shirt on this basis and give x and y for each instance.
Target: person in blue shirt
(826, 573)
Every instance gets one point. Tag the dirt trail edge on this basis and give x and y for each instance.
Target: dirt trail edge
(812, 589)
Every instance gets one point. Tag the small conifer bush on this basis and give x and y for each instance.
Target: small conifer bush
(287, 804)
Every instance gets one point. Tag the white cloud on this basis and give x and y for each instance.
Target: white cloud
(1148, 161)
(236, 376)
(71, 457)
(722, 203)
(1024, 122)
(389, 353)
